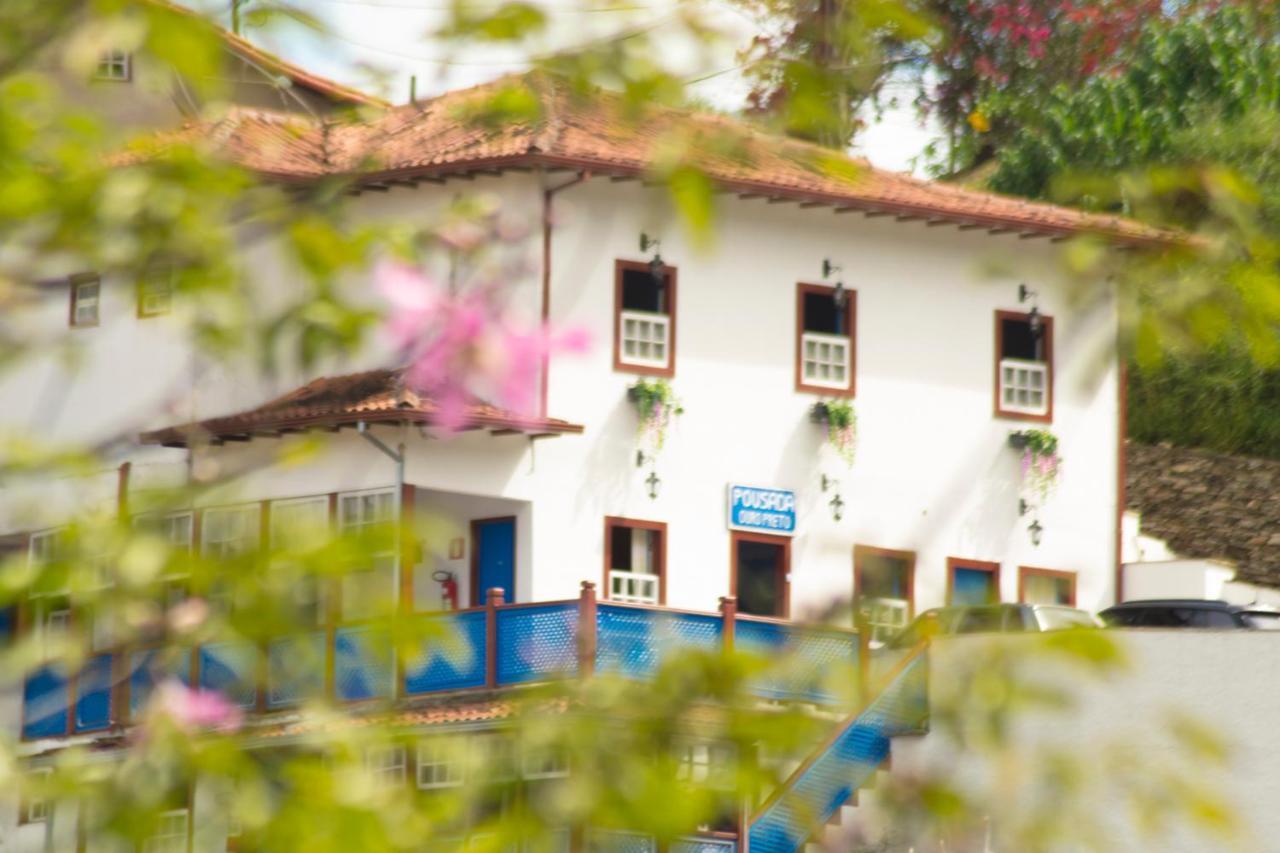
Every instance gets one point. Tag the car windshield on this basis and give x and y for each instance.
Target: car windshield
(1057, 618)
(1262, 620)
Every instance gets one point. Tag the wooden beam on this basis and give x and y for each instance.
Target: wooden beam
(505, 431)
(1031, 235)
(872, 214)
(776, 200)
(815, 204)
(971, 226)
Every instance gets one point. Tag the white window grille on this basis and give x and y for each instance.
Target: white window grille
(230, 531)
(645, 339)
(495, 758)
(545, 763)
(85, 299)
(706, 763)
(387, 765)
(367, 590)
(824, 360)
(171, 833)
(114, 65)
(1024, 386)
(632, 587)
(886, 616)
(35, 807)
(46, 547)
(439, 764)
(155, 293)
(298, 520)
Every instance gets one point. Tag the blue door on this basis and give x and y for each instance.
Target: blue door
(494, 541)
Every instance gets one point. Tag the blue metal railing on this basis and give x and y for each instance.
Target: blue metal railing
(806, 801)
(488, 647)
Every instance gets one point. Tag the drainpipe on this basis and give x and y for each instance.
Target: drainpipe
(396, 456)
(547, 196)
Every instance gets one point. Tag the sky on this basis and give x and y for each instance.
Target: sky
(378, 45)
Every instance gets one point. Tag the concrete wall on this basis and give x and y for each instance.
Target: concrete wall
(1226, 681)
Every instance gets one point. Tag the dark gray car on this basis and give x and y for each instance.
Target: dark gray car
(1191, 613)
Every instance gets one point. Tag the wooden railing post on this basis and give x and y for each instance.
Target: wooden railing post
(863, 627)
(729, 616)
(491, 602)
(587, 630)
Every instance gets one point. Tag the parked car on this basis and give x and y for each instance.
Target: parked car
(974, 619)
(1191, 613)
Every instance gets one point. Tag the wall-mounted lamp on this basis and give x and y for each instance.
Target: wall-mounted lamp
(836, 503)
(654, 483)
(1034, 319)
(840, 296)
(640, 458)
(657, 268)
(1036, 532)
(1023, 506)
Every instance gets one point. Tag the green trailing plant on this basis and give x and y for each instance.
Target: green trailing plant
(656, 404)
(1041, 463)
(842, 428)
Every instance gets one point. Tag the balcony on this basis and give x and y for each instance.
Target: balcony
(495, 646)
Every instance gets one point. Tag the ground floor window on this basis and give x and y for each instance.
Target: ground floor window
(883, 582)
(1046, 586)
(760, 574)
(635, 560)
(972, 581)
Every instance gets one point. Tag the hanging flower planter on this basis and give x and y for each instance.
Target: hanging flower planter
(656, 404)
(1041, 464)
(842, 426)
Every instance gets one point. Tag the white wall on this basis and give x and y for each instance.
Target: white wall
(1176, 579)
(933, 472)
(1226, 681)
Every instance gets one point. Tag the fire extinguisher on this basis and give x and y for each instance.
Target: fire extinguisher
(448, 589)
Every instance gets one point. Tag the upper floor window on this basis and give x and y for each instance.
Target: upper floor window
(114, 65)
(882, 588)
(644, 332)
(230, 531)
(170, 833)
(825, 339)
(85, 297)
(370, 588)
(1024, 366)
(155, 292)
(635, 557)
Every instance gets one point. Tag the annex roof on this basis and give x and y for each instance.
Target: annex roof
(1209, 505)
(333, 402)
(596, 131)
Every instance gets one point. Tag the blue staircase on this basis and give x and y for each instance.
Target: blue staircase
(845, 762)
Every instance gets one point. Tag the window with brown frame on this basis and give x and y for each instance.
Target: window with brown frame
(825, 340)
(1024, 366)
(1046, 586)
(644, 319)
(635, 561)
(155, 292)
(972, 581)
(86, 294)
(883, 589)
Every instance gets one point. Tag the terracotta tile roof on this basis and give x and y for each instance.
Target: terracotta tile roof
(451, 711)
(597, 132)
(1208, 505)
(375, 396)
(270, 62)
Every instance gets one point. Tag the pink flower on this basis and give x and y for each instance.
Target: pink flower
(191, 709)
(461, 349)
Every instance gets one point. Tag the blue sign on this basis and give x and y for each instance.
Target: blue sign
(762, 510)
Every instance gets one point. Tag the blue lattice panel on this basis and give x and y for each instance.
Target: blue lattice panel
(93, 694)
(703, 845)
(232, 670)
(453, 658)
(812, 664)
(295, 669)
(149, 667)
(44, 703)
(634, 642)
(363, 666)
(617, 841)
(537, 642)
(840, 769)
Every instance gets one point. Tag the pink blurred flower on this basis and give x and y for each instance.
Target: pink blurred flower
(192, 709)
(460, 349)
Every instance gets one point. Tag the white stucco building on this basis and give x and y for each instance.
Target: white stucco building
(818, 286)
